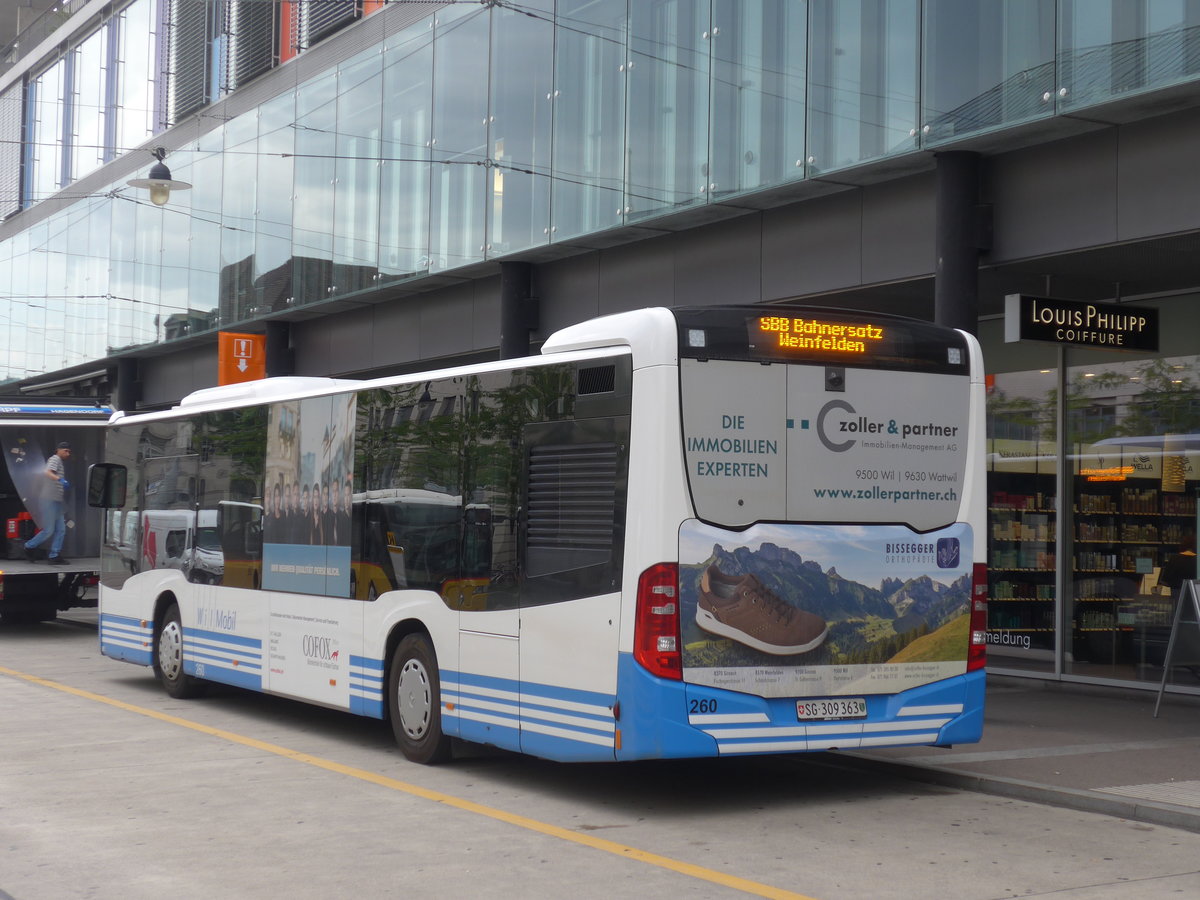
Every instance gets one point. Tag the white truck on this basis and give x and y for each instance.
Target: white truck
(30, 431)
(183, 539)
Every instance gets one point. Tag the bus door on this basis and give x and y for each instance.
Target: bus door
(485, 592)
(488, 643)
(573, 540)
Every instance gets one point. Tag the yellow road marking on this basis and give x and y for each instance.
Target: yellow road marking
(622, 850)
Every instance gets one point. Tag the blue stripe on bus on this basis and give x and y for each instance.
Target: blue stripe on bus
(217, 652)
(235, 662)
(128, 639)
(365, 706)
(129, 654)
(223, 637)
(549, 692)
(129, 634)
(366, 686)
(112, 618)
(546, 720)
(576, 725)
(237, 676)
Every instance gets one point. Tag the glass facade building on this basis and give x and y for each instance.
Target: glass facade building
(361, 154)
(479, 131)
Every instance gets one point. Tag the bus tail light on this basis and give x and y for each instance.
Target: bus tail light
(977, 652)
(656, 644)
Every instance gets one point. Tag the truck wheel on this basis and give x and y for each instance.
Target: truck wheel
(414, 702)
(168, 659)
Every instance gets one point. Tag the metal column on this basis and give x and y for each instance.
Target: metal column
(281, 359)
(963, 229)
(518, 309)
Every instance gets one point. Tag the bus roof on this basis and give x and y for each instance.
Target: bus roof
(265, 390)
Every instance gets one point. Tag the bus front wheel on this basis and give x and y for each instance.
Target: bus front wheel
(168, 663)
(414, 702)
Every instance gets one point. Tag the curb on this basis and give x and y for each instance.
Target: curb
(1165, 814)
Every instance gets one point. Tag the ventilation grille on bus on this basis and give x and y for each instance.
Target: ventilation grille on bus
(572, 505)
(598, 380)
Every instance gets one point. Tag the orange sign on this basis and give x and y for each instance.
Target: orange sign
(241, 357)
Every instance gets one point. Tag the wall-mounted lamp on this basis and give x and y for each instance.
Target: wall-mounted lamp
(160, 184)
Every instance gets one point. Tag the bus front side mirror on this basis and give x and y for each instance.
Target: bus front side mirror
(106, 485)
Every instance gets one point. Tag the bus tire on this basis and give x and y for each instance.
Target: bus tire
(168, 658)
(414, 702)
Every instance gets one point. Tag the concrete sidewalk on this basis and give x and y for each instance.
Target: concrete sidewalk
(1094, 749)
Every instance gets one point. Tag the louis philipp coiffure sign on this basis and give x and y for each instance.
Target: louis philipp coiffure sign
(1115, 326)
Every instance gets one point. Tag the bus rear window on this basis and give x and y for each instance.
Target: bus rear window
(791, 443)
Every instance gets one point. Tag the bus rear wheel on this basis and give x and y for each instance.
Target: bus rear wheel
(168, 662)
(414, 702)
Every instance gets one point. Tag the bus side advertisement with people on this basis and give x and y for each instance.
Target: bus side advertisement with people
(674, 533)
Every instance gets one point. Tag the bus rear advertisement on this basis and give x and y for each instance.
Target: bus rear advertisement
(675, 533)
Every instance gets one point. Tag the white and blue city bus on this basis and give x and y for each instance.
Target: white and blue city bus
(675, 533)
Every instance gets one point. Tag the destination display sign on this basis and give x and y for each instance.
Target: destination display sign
(1116, 326)
(822, 336)
(800, 333)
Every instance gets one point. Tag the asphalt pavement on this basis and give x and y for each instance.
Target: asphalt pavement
(1090, 748)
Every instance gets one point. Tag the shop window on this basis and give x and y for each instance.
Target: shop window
(1133, 439)
(1022, 518)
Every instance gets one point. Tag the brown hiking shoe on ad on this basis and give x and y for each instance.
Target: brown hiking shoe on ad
(738, 607)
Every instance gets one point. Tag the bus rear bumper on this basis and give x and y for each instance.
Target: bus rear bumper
(668, 719)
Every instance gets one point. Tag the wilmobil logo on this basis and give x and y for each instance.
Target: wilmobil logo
(835, 432)
(320, 651)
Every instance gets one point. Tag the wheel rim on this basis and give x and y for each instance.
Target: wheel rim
(170, 651)
(414, 699)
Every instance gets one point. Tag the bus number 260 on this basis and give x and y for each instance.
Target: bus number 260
(703, 706)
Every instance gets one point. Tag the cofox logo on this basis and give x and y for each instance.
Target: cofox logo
(319, 647)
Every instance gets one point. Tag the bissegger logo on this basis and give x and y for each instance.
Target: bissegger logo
(947, 553)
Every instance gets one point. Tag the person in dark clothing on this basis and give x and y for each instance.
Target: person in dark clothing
(1181, 566)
